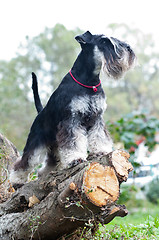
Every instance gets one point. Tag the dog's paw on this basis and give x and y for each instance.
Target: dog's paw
(75, 162)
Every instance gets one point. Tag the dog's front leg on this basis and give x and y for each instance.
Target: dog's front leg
(99, 140)
(72, 144)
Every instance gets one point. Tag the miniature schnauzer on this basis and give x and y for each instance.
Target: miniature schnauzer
(71, 124)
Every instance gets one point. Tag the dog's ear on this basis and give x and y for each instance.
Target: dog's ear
(84, 38)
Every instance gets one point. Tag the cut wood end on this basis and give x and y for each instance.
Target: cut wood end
(115, 209)
(119, 210)
(124, 154)
(33, 200)
(100, 184)
(121, 164)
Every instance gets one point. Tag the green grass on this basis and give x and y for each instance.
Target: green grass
(149, 229)
(140, 224)
(137, 216)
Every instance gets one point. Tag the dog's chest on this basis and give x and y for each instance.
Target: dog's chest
(88, 107)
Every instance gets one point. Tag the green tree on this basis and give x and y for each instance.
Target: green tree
(54, 50)
(16, 111)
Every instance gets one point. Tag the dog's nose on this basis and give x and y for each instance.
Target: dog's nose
(129, 49)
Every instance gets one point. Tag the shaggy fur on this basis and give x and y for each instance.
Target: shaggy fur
(71, 124)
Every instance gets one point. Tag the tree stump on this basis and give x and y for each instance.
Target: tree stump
(62, 201)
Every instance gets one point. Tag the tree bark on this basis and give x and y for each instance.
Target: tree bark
(8, 155)
(62, 201)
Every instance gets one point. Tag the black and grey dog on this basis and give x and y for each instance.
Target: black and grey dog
(71, 124)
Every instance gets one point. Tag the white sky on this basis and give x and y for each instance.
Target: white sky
(19, 18)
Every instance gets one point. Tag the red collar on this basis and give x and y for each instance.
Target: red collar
(93, 87)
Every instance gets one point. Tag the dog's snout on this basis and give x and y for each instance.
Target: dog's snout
(129, 49)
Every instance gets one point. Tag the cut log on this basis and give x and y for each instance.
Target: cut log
(62, 201)
(121, 164)
(100, 184)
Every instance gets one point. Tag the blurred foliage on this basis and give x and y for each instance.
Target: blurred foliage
(127, 193)
(153, 191)
(16, 113)
(53, 52)
(128, 196)
(50, 55)
(132, 129)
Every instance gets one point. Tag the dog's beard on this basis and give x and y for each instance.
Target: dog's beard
(116, 68)
(114, 64)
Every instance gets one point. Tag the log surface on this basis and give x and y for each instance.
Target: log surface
(60, 202)
(101, 185)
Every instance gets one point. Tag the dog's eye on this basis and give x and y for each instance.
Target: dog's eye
(106, 41)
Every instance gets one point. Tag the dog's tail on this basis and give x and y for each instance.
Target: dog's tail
(37, 100)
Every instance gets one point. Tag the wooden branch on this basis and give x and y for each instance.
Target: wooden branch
(62, 201)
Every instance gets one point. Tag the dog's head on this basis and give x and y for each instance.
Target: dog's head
(111, 56)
